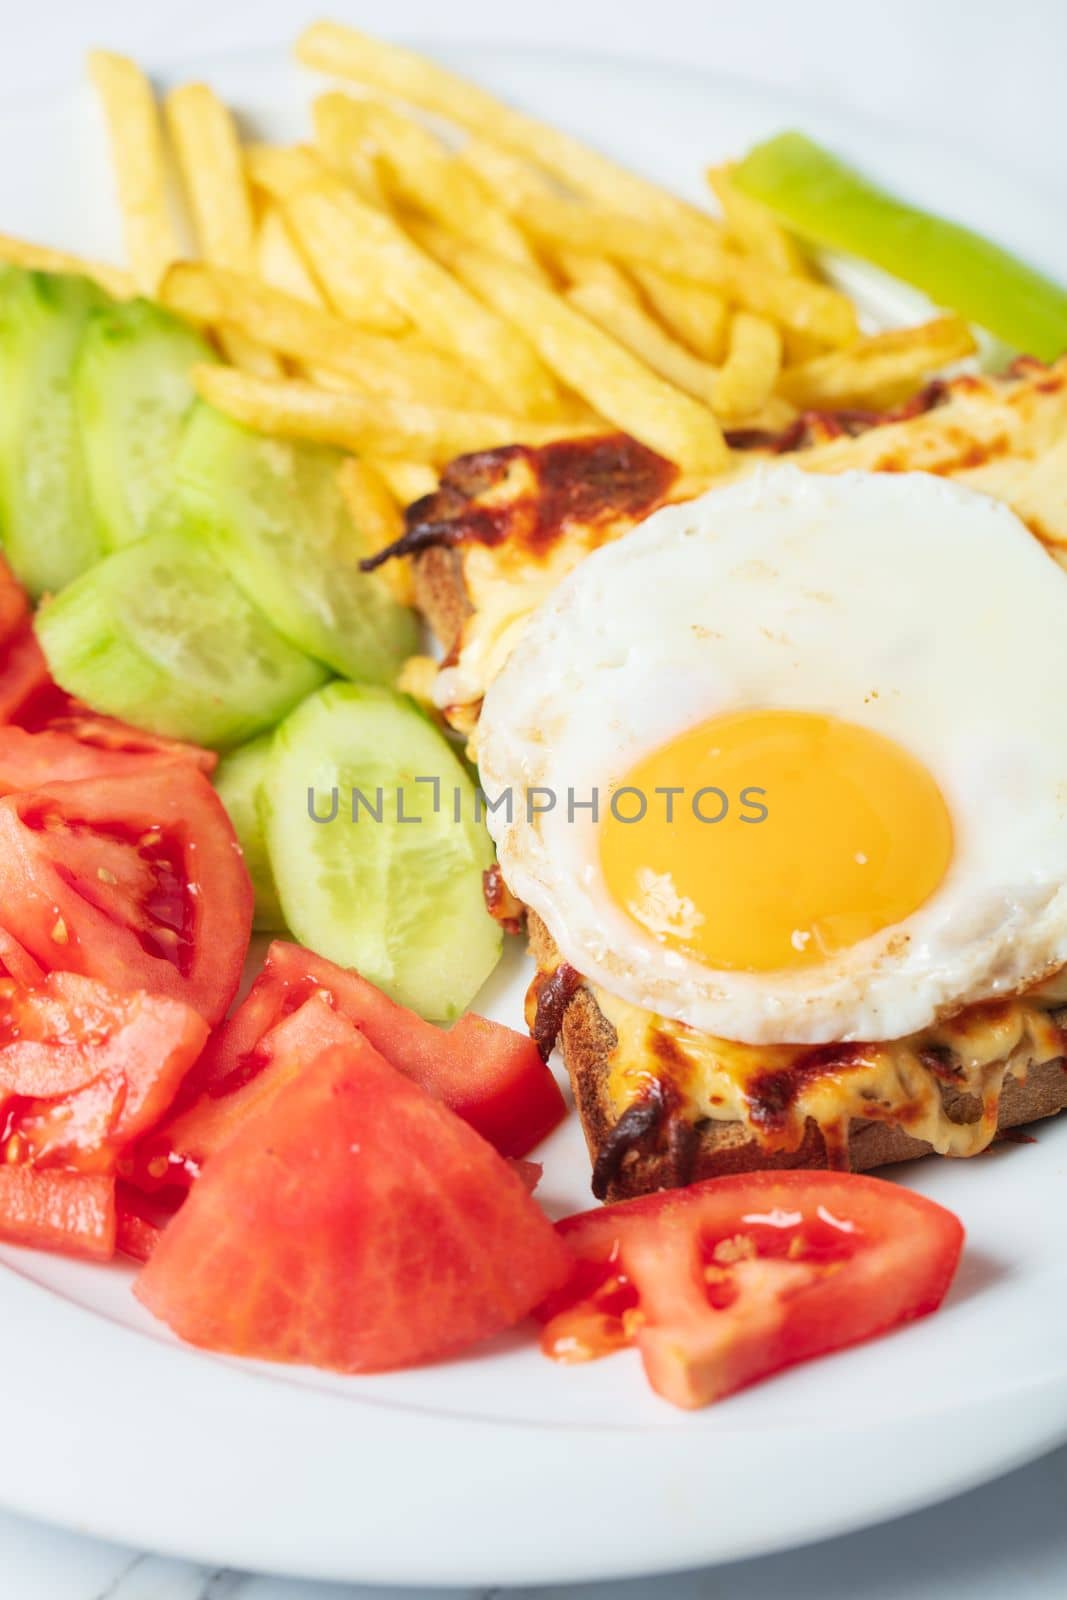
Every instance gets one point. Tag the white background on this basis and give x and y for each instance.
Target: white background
(985, 77)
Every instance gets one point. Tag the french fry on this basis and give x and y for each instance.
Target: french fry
(579, 268)
(378, 518)
(615, 383)
(392, 267)
(279, 262)
(880, 370)
(699, 317)
(281, 171)
(417, 677)
(625, 320)
(753, 226)
(346, 53)
(208, 151)
(407, 480)
(340, 142)
(423, 173)
(674, 252)
(367, 424)
(212, 296)
(752, 363)
(335, 246)
(42, 258)
(140, 171)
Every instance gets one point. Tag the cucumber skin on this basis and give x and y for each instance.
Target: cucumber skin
(158, 635)
(831, 204)
(418, 928)
(272, 512)
(46, 523)
(238, 779)
(132, 399)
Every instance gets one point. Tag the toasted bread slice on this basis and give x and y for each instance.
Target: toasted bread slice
(660, 1143)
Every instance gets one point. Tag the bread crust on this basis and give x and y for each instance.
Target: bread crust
(673, 1152)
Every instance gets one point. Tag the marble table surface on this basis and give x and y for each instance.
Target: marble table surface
(985, 77)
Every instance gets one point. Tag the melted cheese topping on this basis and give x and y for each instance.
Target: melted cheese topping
(774, 1090)
(1005, 438)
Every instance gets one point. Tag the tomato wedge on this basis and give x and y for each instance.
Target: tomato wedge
(32, 760)
(491, 1076)
(84, 1070)
(722, 1284)
(109, 734)
(66, 1211)
(172, 1155)
(27, 692)
(135, 880)
(14, 604)
(356, 1224)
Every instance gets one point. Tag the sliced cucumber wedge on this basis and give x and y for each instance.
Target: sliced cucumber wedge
(158, 634)
(46, 523)
(132, 399)
(273, 513)
(400, 898)
(238, 779)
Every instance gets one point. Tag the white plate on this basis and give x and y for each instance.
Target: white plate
(503, 1468)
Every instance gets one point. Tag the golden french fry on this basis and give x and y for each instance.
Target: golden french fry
(417, 677)
(42, 258)
(346, 53)
(675, 252)
(378, 518)
(342, 259)
(340, 139)
(279, 262)
(625, 320)
(137, 156)
(205, 141)
(878, 371)
(367, 424)
(753, 226)
(422, 172)
(281, 171)
(408, 480)
(699, 317)
(581, 269)
(752, 364)
(204, 136)
(391, 266)
(212, 296)
(614, 382)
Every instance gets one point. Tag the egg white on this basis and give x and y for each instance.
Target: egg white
(921, 610)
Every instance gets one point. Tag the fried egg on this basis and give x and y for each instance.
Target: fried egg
(788, 763)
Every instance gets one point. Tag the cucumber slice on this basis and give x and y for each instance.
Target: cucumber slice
(238, 779)
(398, 899)
(46, 522)
(158, 635)
(273, 513)
(132, 399)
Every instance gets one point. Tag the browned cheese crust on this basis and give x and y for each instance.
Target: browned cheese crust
(654, 1146)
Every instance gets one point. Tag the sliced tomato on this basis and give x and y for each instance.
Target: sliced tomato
(530, 1172)
(102, 733)
(356, 1224)
(27, 693)
(17, 963)
(489, 1075)
(14, 604)
(136, 880)
(32, 760)
(84, 1071)
(67, 1211)
(171, 1156)
(138, 1225)
(722, 1284)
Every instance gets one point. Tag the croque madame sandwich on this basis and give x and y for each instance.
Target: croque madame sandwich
(780, 776)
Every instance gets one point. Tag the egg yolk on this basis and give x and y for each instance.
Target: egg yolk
(764, 840)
